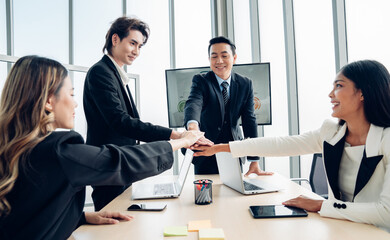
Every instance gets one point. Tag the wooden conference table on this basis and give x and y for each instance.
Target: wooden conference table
(228, 211)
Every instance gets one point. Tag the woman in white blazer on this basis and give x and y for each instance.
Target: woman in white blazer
(356, 149)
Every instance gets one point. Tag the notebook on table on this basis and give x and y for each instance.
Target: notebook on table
(231, 175)
(163, 189)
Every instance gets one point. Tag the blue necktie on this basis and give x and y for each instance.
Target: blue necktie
(225, 94)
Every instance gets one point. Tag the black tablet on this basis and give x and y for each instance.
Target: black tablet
(276, 211)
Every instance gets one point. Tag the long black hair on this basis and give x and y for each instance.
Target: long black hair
(373, 79)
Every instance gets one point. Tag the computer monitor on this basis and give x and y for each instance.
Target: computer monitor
(179, 83)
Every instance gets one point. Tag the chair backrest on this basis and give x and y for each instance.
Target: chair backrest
(318, 179)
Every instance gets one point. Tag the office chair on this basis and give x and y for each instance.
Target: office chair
(317, 178)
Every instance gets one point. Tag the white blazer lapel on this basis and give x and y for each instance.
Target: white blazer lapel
(373, 140)
(370, 158)
(339, 135)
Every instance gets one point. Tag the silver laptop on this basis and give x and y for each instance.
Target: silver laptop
(231, 175)
(161, 187)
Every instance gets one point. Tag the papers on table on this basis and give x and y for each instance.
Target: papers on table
(211, 234)
(175, 231)
(201, 226)
(194, 226)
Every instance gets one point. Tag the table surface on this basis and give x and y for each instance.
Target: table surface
(229, 211)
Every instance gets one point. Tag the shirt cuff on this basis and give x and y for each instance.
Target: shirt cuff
(192, 121)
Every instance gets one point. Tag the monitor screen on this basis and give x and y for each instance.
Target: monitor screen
(179, 83)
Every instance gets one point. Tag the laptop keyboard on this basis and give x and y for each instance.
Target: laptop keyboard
(163, 189)
(251, 187)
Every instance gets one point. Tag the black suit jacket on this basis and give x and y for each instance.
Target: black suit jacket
(48, 197)
(113, 119)
(205, 104)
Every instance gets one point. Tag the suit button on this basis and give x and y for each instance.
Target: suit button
(343, 206)
(224, 122)
(335, 205)
(219, 129)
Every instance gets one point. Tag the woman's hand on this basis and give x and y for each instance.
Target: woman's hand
(304, 202)
(106, 217)
(209, 150)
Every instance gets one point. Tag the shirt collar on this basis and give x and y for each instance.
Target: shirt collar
(220, 80)
(121, 71)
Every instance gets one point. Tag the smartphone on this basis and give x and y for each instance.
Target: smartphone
(153, 206)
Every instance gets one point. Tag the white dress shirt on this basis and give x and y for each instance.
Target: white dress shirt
(122, 74)
(349, 168)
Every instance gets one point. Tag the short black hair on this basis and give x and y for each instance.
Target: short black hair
(122, 27)
(222, 39)
(373, 79)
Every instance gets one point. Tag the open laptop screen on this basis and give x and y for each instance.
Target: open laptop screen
(185, 167)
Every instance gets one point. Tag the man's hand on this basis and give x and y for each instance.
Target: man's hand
(255, 168)
(204, 142)
(193, 126)
(106, 217)
(186, 140)
(191, 137)
(306, 203)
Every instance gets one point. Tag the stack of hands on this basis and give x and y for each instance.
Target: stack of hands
(195, 140)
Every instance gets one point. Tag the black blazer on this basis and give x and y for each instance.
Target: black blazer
(48, 197)
(205, 104)
(113, 119)
(111, 116)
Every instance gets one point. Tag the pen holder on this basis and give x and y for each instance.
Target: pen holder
(203, 191)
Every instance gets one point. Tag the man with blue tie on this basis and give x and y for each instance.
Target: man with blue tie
(216, 102)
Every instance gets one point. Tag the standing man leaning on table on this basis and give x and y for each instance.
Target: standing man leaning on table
(111, 114)
(217, 100)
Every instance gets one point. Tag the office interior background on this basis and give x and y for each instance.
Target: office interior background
(305, 41)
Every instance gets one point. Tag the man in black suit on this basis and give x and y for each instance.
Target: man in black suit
(111, 114)
(216, 102)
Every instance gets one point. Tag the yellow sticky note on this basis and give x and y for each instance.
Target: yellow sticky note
(211, 234)
(194, 226)
(175, 231)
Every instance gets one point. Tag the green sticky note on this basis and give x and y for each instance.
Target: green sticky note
(175, 231)
(211, 234)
